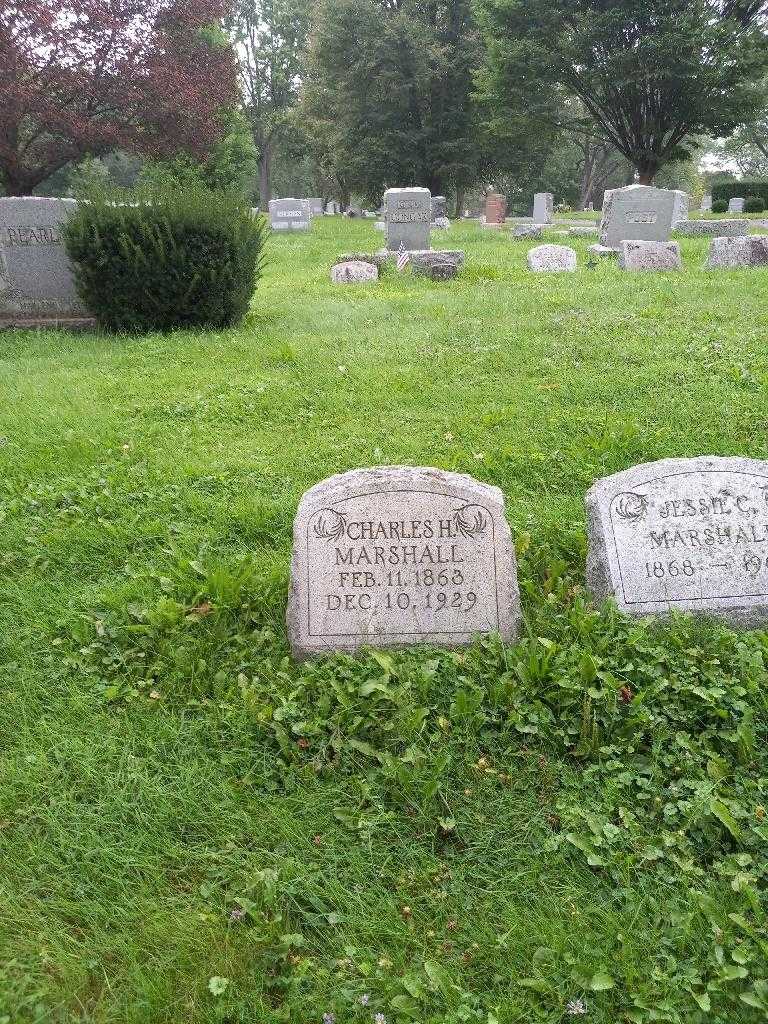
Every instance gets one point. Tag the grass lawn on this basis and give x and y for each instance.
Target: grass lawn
(194, 829)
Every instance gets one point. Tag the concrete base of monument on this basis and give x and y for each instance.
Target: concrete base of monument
(38, 323)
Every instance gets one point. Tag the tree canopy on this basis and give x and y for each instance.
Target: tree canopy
(650, 74)
(91, 76)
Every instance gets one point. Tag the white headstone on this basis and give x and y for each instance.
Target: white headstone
(407, 216)
(289, 215)
(316, 206)
(543, 207)
(682, 202)
(545, 258)
(36, 281)
(706, 203)
(397, 556)
(682, 534)
(736, 205)
(638, 212)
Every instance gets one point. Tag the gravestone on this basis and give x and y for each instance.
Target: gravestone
(439, 265)
(706, 203)
(543, 207)
(439, 207)
(495, 209)
(597, 250)
(680, 211)
(733, 253)
(638, 212)
(720, 228)
(332, 208)
(289, 215)
(736, 205)
(527, 231)
(638, 255)
(590, 207)
(682, 534)
(354, 272)
(396, 556)
(316, 206)
(546, 258)
(407, 217)
(586, 231)
(36, 280)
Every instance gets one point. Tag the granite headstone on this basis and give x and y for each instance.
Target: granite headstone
(407, 218)
(639, 255)
(638, 212)
(736, 205)
(543, 207)
(36, 280)
(290, 215)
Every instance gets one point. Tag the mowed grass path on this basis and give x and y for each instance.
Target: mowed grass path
(124, 830)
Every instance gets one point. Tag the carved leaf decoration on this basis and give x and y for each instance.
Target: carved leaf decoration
(331, 525)
(630, 506)
(470, 521)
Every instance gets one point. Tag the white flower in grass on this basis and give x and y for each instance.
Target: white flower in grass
(576, 1007)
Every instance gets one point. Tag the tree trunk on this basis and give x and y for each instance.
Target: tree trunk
(459, 202)
(265, 178)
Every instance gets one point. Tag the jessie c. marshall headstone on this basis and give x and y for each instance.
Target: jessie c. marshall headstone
(637, 212)
(396, 556)
(290, 215)
(407, 218)
(543, 207)
(36, 281)
(682, 534)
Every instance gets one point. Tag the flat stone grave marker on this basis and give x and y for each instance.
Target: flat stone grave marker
(407, 217)
(637, 212)
(733, 253)
(290, 215)
(527, 231)
(396, 556)
(638, 255)
(719, 228)
(736, 205)
(543, 207)
(354, 272)
(36, 280)
(682, 534)
(544, 258)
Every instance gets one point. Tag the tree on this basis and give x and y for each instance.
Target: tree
(83, 77)
(390, 88)
(651, 74)
(269, 37)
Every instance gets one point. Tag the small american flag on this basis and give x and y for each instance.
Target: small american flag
(403, 256)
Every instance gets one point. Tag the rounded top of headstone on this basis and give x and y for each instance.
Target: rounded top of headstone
(388, 478)
(669, 467)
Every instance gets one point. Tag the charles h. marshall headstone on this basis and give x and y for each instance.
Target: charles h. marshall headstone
(396, 556)
(683, 534)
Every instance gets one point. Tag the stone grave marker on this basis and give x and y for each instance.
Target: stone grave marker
(548, 258)
(316, 206)
(736, 205)
(706, 203)
(495, 209)
(37, 285)
(354, 272)
(543, 207)
(527, 231)
(586, 231)
(396, 556)
(637, 255)
(407, 218)
(637, 212)
(289, 215)
(732, 253)
(681, 205)
(682, 534)
(439, 207)
(720, 228)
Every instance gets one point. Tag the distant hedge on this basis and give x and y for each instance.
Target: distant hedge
(166, 260)
(725, 190)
